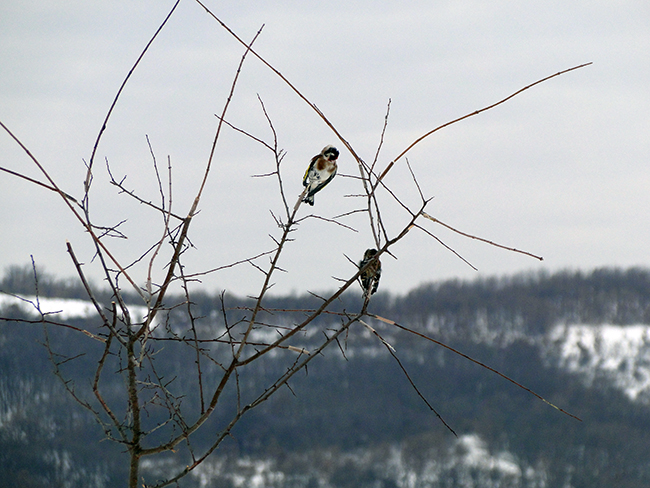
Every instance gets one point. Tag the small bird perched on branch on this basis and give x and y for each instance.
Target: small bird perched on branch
(322, 169)
(370, 277)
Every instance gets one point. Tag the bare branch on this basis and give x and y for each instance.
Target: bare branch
(131, 193)
(476, 112)
(455, 351)
(67, 201)
(491, 243)
(197, 198)
(117, 96)
(39, 183)
(393, 353)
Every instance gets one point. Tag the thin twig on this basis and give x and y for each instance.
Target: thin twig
(183, 234)
(39, 183)
(470, 236)
(423, 336)
(117, 96)
(67, 201)
(393, 353)
(476, 112)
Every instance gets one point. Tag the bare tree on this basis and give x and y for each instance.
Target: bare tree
(152, 415)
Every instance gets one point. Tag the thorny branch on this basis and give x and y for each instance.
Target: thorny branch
(131, 345)
(183, 235)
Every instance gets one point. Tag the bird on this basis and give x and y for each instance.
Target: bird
(370, 276)
(320, 172)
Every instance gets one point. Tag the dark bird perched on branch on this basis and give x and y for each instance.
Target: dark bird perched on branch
(322, 169)
(370, 276)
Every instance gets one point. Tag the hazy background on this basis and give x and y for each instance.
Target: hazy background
(560, 170)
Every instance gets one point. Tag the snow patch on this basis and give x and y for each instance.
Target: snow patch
(467, 460)
(474, 454)
(618, 353)
(61, 308)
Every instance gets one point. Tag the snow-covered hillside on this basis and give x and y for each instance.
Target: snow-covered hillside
(617, 354)
(466, 460)
(353, 420)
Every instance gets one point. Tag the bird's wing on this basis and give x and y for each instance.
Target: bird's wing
(311, 165)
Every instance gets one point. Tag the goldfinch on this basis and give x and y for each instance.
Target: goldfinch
(370, 276)
(320, 172)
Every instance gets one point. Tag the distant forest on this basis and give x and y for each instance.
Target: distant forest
(605, 295)
(356, 397)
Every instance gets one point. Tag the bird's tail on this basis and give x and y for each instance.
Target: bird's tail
(309, 199)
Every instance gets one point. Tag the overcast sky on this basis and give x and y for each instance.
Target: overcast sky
(561, 170)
